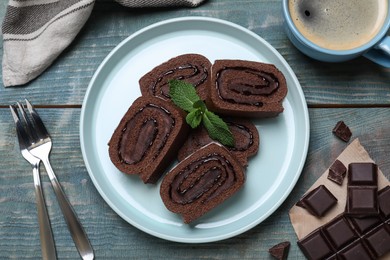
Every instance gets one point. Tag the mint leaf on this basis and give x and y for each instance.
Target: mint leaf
(200, 105)
(217, 128)
(194, 118)
(183, 94)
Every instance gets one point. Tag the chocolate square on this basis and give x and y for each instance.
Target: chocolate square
(362, 201)
(315, 246)
(362, 174)
(342, 131)
(379, 241)
(356, 251)
(363, 225)
(319, 201)
(339, 232)
(337, 172)
(384, 201)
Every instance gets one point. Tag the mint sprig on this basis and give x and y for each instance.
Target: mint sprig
(217, 128)
(183, 95)
(194, 118)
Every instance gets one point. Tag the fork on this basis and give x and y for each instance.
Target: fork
(40, 147)
(45, 233)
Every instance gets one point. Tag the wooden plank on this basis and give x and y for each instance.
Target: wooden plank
(112, 237)
(65, 82)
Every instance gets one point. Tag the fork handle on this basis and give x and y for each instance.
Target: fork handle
(45, 233)
(76, 230)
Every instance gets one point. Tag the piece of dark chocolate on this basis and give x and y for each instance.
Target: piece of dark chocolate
(280, 251)
(363, 225)
(342, 131)
(315, 246)
(362, 201)
(362, 195)
(337, 172)
(379, 240)
(362, 174)
(356, 251)
(384, 201)
(339, 232)
(318, 201)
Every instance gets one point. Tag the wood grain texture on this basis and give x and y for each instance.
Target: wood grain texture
(111, 236)
(65, 82)
(59, 93)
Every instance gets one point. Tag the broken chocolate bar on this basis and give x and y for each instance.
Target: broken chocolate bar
(342, 131)
(362, 196)
(280, 251)
(367, 237)
(318, 201)
(348, 238)
(337, 172)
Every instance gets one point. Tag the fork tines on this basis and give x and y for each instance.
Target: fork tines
(28, 122)
(22, 134)
(40, 126)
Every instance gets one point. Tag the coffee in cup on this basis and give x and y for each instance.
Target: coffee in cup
(338, 24)
(339, 30)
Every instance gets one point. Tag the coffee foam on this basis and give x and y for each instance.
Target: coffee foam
(338, 24)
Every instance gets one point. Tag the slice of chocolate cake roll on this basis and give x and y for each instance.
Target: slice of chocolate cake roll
(246, 140)
(191, 68)
(201, 182)
(246, 88)
(145, 141)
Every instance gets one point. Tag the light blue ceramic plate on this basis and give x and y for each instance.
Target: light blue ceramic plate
(271, 174)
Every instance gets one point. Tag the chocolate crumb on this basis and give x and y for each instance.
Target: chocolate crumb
(337, 172)
(280, 251)
(342, 131)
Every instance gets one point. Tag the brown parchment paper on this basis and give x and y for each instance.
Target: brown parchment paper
(303, 222)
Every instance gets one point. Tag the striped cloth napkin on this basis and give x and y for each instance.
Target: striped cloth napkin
(35, 32)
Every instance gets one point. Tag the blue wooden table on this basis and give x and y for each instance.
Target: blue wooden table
(357, 92)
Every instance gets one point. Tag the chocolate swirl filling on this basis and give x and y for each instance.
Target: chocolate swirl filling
(202, 180)
(145, 134)
(195, 74)
(242, 85)
(244, 134)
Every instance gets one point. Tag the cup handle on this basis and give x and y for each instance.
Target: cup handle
(380, 54)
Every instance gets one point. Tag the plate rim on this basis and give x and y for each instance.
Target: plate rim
(244, 228)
